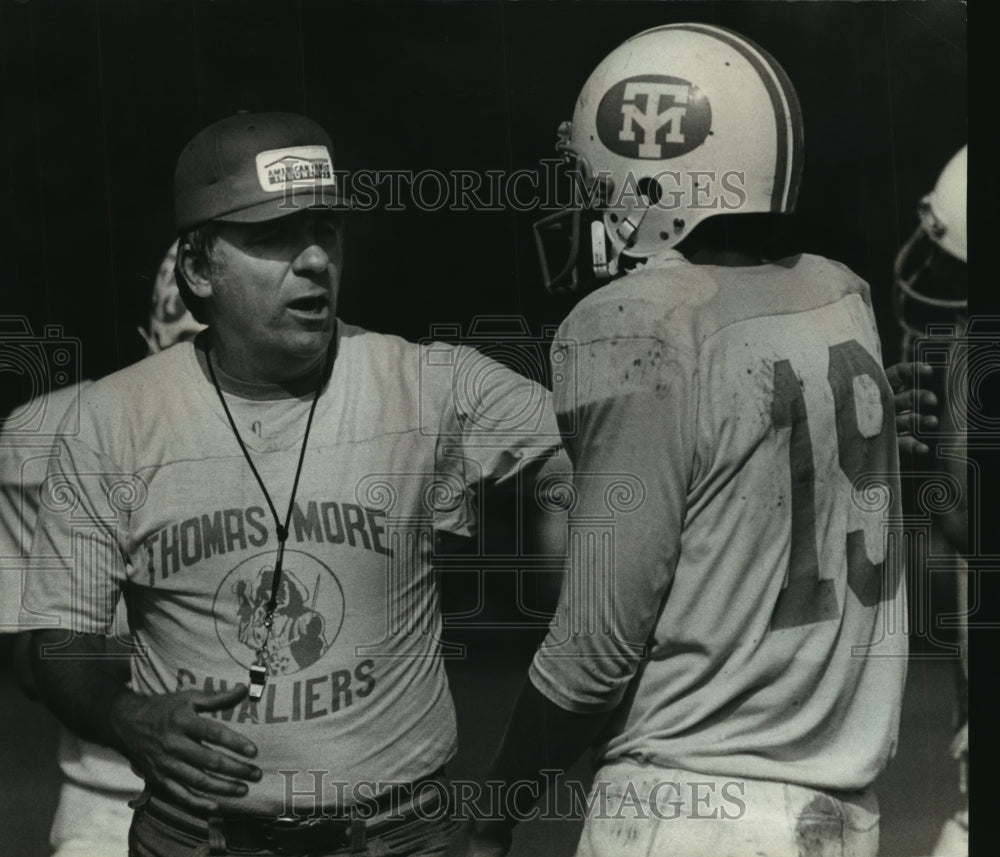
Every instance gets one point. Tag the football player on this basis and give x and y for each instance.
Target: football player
(730, 635)
(932, 289)
(92, 815)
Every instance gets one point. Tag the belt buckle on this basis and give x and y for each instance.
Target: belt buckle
(290, 833)
(294, 822)
(282, 834)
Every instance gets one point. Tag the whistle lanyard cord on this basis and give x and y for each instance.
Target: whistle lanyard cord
(280, 529)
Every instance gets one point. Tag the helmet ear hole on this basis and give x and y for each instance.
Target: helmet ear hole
(650, 188)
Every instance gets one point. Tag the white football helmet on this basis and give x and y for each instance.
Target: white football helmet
(677, 124)
(930, 271)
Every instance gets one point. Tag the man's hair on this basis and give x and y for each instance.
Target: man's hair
(197, 242)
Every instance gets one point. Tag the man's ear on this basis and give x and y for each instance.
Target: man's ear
(196, 269)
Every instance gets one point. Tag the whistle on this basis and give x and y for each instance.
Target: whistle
(258, 677)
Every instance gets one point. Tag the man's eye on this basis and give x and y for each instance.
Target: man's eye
(265, 236)
(328, 228)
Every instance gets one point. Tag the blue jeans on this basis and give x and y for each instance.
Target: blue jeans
(421, 837)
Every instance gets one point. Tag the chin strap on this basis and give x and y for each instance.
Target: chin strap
(603, 268)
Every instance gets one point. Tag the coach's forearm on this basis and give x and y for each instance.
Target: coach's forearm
(78, 684)
(171, 739)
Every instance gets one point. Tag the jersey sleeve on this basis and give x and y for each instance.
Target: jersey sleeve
(77, 553)
(498, 425)
(14, 536)
(627, 409)
(25, 452)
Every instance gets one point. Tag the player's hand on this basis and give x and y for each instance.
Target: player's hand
(173, 746)
(481, 839)
(913, 407)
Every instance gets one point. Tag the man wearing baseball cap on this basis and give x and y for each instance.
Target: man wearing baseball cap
(264, 499)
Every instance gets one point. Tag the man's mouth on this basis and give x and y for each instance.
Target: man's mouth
(312, 305)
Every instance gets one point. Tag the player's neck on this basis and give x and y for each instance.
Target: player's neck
(742, 240)
(728, 257)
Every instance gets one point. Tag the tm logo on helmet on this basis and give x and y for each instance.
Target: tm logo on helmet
(653, 116)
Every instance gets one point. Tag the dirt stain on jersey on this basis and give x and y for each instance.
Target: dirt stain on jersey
(819, 829)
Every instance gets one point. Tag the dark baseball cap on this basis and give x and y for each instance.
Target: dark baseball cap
(253, 167)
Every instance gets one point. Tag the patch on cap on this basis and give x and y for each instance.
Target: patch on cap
(249, 167)
(280, 170)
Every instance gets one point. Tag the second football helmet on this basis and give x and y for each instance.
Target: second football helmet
(677, 124)
(931, 268)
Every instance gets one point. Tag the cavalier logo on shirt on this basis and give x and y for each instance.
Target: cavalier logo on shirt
(307, 619)
(653, 116)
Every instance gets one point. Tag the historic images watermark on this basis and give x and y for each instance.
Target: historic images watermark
(551, 186)
(308, 792)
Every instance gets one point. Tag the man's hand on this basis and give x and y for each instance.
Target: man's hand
(481, 839)
(173, 747)
(165, 737)
(911, 405)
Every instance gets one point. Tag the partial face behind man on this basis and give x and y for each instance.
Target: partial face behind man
(170, 321)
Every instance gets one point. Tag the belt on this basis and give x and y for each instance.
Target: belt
(302, 834)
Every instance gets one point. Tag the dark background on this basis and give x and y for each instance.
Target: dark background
(98, 97)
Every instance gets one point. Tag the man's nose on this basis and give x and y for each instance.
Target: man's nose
(312, 259)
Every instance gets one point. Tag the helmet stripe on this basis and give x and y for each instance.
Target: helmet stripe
(787, 111)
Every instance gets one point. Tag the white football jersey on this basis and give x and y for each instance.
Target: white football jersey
(734, 584)
(25, 452)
